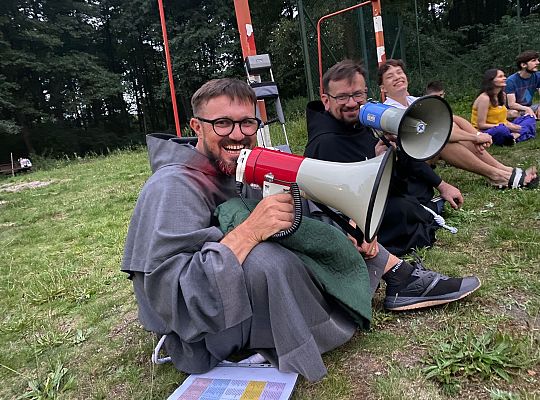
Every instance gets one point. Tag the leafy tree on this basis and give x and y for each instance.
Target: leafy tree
(46, 58)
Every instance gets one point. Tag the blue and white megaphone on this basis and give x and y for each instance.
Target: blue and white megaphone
(422, 129)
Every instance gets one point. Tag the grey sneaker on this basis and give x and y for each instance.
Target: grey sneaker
(429, 289)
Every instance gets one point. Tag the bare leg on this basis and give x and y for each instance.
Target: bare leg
(392, 260)
(461, 156)
(486, 157)
(463, 124)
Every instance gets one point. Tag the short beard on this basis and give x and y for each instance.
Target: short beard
(226, 168)
(530, 71)
(353, 121)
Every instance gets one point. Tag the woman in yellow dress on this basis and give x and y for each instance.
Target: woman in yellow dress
(489, 113)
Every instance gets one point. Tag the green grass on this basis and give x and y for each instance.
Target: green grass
(69, 325)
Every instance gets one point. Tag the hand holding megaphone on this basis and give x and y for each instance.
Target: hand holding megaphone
(382, 145)
(367, 249)
(271, 215)
(358, 190)
(422, 130)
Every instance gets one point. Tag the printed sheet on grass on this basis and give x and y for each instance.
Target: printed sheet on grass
(237, 381)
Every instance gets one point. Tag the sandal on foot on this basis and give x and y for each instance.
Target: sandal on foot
(517, 181)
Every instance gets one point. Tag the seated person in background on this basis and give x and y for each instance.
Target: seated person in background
(435, 88)
(489, 112)
(466, 147)
(335, 134)
(214, 293)
(461, 128)
(522, 85)
(461, 124)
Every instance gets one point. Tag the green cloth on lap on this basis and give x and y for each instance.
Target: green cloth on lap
(327, 252)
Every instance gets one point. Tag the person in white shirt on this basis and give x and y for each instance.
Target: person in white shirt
(466, 148)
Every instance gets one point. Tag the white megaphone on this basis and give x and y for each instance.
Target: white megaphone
(422, 129)
(358, 190)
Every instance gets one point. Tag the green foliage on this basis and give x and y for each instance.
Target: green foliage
(405, 384)
(295, 108)
(50, 386)
(206, 45)
(9, 127)
(286, 55)
(445, 57)
(486, 356)
(497, 394)
(80, 77)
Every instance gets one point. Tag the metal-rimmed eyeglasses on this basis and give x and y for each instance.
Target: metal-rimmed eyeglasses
(344, 98)
(224, 126)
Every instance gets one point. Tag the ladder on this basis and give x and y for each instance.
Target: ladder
(268, 94)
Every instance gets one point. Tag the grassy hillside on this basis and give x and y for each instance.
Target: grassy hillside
(69, 325)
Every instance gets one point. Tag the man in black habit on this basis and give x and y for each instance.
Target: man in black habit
(214, 291)
(335, 134)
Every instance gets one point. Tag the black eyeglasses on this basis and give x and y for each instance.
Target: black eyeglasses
(225, 126)
(344, 98)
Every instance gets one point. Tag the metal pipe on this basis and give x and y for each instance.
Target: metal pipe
(305, 51)
(169, 67)
(322, 19)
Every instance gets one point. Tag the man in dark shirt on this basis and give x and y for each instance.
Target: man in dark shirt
(334, 134)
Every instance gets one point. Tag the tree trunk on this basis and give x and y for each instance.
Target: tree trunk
(25, 133)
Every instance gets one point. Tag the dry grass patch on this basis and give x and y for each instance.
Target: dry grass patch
(17, 187)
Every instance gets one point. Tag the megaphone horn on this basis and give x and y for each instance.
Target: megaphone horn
(358, 190)
(422, 129)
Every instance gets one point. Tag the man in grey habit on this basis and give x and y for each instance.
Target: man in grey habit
(215, 293)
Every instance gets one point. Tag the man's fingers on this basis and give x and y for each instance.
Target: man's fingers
(282, 198)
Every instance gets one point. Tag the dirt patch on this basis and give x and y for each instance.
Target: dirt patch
(365, 368)
(517, 309)
(17, 187)
(129, 320)
(58, 216)
(7, 224)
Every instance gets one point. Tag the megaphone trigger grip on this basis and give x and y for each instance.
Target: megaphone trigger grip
(295, 192)
(383, 138)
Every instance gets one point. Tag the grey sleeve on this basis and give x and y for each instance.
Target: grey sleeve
(193, 284)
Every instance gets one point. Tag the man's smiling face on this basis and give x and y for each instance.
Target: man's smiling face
(394, 82)
(347, 112)
(223, 150)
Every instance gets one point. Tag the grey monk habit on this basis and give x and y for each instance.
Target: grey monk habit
(192, 288)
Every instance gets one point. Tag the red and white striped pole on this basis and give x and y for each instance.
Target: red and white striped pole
(247, 41)
(243, 19)
(379, 35)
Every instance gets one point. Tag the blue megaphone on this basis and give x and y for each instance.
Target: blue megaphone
(422, 129)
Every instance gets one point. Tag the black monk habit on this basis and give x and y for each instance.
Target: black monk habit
(406, 224)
